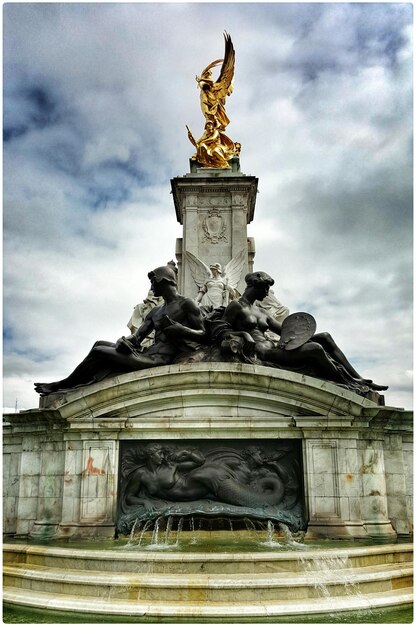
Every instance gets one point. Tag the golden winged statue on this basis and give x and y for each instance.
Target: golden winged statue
(214, 148)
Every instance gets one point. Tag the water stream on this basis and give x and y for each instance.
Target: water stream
(182, 532)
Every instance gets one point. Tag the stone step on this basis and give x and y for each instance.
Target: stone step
(144, 561)
(209, 588)
(177, 609)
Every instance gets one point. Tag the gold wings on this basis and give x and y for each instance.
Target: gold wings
(223, 84)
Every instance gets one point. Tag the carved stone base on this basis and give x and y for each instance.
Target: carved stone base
(335, 529)
(61, 463)
(214, 207)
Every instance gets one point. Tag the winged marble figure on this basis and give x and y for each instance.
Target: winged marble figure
(216, 286)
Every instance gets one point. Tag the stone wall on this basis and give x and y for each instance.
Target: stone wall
(61, 461)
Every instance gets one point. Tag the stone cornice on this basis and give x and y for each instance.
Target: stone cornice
(226, 389)
(182, 186)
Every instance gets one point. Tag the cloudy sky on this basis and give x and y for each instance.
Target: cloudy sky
(96, 99)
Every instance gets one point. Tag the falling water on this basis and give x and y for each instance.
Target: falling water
(288, 537)
(326, 571)
(145, 527)
(249, 524)
(168, 529)
(270, 531)
(192, 528)
(155, 537)
(250, 527)
(133, 528)
(269, 537)
(178, 531)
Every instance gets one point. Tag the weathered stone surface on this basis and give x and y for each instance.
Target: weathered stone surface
(356, 454)
(214, 208)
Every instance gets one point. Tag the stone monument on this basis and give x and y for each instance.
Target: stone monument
(219, 404)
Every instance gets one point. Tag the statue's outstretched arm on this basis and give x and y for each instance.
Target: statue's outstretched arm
(274, 325)
(144, 330)
(125, 345)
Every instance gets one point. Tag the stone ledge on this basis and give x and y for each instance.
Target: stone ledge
(221, 389)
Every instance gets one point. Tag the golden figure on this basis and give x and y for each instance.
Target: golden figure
(214, 148)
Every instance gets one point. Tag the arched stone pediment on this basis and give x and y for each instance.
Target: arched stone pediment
(220, 391)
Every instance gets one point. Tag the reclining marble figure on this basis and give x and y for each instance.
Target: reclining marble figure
(177, 324)
(319, 355)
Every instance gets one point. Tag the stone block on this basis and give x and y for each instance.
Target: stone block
(11, 486)
(402, 527)
(374, 508)
(23, 526)
(350, 485)
(29, 486)
(352, 465)
(322, 457)
(330, 484)
(51, 486)
(372, 461)
(95, 509)
(355, 508)
(344, 508)
(393, 462)
(373, 485)
(317, 482)
(395, 484)
(50, 509)
(9, 514)
(30, 463)
(27, 508)
(325, 507)
(397, 508)
(52, 463)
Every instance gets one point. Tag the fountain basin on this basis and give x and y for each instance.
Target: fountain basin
(206, 584)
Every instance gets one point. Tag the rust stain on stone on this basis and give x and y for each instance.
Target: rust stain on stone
(349, 477)
(90, 469)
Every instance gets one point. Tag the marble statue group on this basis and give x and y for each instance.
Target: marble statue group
(236, 331)
(220, 324)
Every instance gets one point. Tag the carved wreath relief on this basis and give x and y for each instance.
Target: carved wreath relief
(214, 227)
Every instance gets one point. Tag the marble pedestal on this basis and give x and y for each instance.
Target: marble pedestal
(61, 460)
(214, 206)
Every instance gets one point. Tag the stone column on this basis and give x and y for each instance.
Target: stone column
(12, 450)
(396, 473)
(408, 460)
(214, 206)
(30, 464)
(332, 495)
(33, 465)
(50, 487)
(89, 485)
(374, 510)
